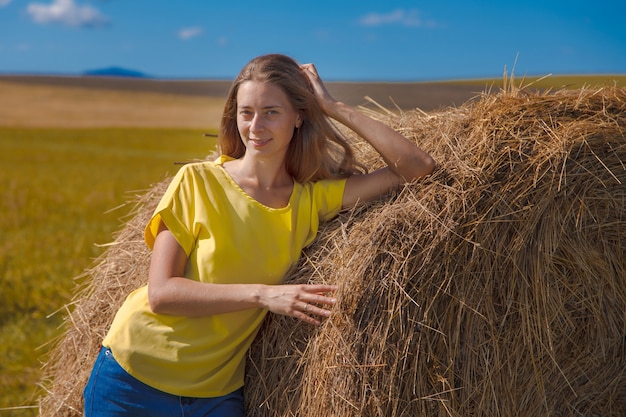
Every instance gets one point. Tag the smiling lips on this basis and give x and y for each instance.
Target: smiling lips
(259, 142)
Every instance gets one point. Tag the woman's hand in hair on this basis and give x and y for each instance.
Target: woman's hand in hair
(324, 98)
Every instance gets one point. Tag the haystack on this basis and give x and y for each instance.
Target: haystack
(495, 287)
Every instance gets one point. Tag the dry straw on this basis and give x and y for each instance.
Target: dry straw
(495, 287)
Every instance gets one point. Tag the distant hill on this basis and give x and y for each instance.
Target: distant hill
(115, 72)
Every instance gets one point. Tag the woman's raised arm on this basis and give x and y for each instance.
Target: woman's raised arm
(405, 161)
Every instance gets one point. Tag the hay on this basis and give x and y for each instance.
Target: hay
(495, 287)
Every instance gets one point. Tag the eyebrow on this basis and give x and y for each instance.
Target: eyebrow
(273, 106)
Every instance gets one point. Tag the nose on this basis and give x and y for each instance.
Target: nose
(256, 124)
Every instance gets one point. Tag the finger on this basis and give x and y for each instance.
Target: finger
(309, 318)
(319, 299)
(310, 309)
(320, 288)
(318, 293)
(309, 67)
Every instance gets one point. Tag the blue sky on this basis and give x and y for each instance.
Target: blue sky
(348, 40)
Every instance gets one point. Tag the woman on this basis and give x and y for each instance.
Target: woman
(226, 234)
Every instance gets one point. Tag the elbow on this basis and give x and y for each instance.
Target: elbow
(429, 165)
(421, 166)
(156, 300)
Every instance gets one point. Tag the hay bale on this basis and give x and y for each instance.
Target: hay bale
(495, 287)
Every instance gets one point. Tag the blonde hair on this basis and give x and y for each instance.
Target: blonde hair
(317, 150)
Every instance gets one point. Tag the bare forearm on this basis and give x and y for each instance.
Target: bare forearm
(402, 156)
(185, 297)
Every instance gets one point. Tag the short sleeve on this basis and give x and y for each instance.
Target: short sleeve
(328, 197)
(176, 210)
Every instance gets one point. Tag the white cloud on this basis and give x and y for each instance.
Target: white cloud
(4, 3)
(397, 17)
(66, 12)
(190, 33)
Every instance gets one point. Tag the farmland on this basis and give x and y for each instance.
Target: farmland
(64, 194)
(74, 152)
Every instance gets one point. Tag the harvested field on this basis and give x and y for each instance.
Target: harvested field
(52, 105)
(426, 96)
(495, 287)
(30, 101)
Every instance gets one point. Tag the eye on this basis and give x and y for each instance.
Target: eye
(245, 113)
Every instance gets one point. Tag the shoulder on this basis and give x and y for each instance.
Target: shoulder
(198, 169)
(326, 196)
(200, 166)
(193, 178)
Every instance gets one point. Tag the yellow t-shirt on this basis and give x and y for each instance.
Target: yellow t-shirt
(229, 238)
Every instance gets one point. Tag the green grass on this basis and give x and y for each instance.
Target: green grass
(58, 189)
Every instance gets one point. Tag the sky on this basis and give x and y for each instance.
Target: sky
(361, 40)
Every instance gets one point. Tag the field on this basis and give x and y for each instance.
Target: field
(73, 153)
(63, 194)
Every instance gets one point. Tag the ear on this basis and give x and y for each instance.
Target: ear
(299, 120)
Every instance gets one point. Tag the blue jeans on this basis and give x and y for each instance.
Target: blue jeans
(111, 391)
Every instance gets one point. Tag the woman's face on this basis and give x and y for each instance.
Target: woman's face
(265, 118)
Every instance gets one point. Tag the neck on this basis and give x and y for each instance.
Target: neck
(265, 174)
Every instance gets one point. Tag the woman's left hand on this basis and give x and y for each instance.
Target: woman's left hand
(324, 98)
